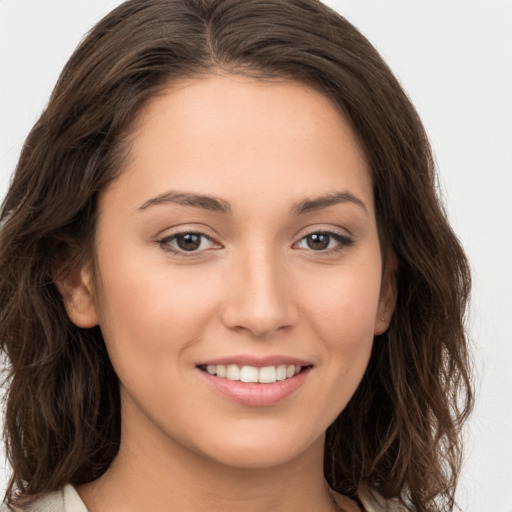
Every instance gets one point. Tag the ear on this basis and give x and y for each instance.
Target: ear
(76, 288)
(387, 300)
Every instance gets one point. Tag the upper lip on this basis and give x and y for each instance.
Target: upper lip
(256, 361)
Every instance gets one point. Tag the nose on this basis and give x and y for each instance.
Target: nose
(259, 298)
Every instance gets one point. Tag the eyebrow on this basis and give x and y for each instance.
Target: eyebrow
(210, 203)
(216, 204)
(318, 203)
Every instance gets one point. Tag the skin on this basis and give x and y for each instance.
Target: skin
(253, 287)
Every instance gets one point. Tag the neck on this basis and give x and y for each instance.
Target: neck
(154, 472)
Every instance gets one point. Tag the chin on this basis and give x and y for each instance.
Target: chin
(261, 449)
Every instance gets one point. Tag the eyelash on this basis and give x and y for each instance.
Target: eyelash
(165, 243)
(342, 242)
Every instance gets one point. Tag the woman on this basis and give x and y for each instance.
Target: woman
(227, 280)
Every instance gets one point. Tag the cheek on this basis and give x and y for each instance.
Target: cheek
(343, 312)
(347, 319)
(146, 309)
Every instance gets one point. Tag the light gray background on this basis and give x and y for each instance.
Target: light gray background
(454, 57)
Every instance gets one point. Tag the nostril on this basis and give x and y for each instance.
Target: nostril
(259, 300)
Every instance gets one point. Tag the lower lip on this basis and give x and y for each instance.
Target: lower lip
(253, 394)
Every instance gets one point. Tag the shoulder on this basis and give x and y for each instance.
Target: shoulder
(53, 502)
(374, 502)
(65, 500)
(343, 503)
(371, 503)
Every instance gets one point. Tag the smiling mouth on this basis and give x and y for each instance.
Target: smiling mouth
(253, 374)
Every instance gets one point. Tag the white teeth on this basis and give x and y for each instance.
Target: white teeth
(232, 372)
(281, 372)
(249, 374)
(265, 375)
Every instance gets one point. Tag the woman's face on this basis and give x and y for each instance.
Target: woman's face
(240, 242)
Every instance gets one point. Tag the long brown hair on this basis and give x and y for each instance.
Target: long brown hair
(399, 435)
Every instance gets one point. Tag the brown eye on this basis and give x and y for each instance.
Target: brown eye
(318, 241)
(324, 242)
(188, 241)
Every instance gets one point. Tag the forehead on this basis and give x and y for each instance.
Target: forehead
(232, 136)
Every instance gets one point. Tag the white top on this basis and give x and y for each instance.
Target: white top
(68, 500)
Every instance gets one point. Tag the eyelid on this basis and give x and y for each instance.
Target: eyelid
(344, 241)
(164, 242)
